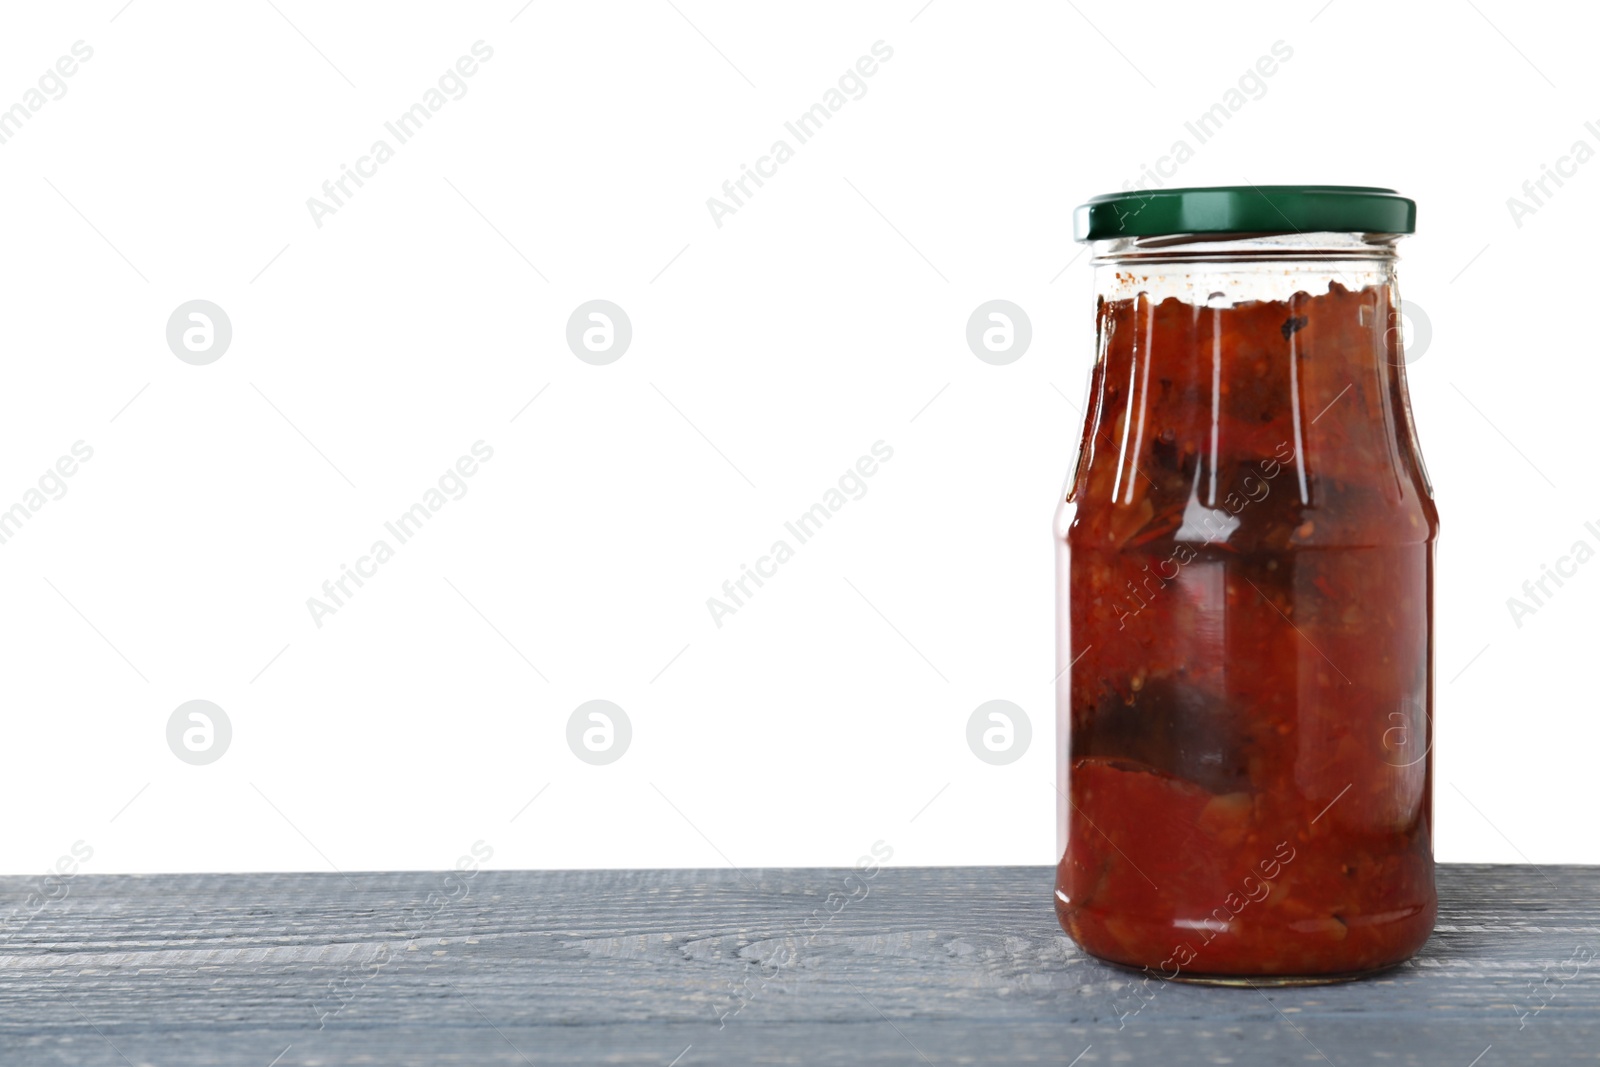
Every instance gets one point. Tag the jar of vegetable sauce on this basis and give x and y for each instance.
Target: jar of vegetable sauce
(1245, 588)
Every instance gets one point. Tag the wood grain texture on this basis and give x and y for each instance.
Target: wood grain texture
(937, 965)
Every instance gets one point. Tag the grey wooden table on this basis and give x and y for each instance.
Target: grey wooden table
(947, 965)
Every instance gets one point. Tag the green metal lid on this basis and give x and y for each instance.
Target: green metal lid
(1245, 209)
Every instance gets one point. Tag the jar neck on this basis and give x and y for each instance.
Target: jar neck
(1209, 272)
(1198, 248)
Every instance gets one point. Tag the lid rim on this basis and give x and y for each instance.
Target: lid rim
(1238, 209)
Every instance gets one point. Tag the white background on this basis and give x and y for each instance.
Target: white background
(768, 354)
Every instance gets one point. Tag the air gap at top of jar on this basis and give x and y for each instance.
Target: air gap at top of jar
(1245, 586)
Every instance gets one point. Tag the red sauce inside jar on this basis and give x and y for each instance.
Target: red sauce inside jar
(1249, 702)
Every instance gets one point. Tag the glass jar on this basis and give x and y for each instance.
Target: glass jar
(1245, 589)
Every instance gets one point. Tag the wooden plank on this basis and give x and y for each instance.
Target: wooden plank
(946, 965)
